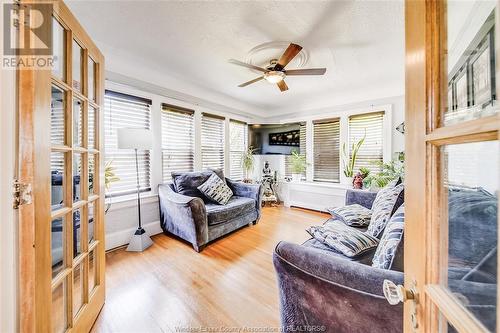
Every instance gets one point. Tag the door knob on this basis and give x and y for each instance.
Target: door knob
(397, 293)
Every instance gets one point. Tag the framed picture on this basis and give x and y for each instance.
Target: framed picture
(291, 138)
(481, 75)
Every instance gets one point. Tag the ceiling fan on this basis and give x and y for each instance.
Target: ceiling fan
(275, 72)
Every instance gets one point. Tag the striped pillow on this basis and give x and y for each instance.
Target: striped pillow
(382, 208)
(393, 234)
(343, 239)
(352, 215)
(216, 190)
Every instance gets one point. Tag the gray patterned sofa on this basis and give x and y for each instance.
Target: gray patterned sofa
(186, 213)
(318, 287)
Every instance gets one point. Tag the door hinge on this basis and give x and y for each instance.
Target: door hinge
(21, 194)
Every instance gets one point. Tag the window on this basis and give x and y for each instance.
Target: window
(372, 150)
(212, 142)
(125, 111)
(301, 150)
(177, 140)
(326, 139)
(238, 145)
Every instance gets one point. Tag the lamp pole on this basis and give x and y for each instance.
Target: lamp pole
(138, 189)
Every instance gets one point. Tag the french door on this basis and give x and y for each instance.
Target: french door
(61, 155)
(452, 166)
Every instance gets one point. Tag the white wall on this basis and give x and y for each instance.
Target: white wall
(8, 223)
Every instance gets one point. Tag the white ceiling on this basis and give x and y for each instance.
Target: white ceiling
(360, 43)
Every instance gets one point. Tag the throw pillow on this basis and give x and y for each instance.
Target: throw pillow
(343, 239)
(352, 215)
(216, 190)
(382, 208)
(389, 244)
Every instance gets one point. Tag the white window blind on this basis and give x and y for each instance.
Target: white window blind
(372, 149)
(326, 139)
(238, 144)
(301, 150)
(125, 111)
(212, 142)
(177, 140)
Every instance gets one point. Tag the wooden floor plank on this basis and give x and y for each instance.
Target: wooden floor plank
(231, 283)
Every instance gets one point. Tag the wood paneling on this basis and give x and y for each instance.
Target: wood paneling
(231, 283)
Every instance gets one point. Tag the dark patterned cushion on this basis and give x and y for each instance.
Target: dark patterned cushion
(382, 208)
(389, 244)
(216, 190)
(343, 239)
(186, 183)
(352, 215)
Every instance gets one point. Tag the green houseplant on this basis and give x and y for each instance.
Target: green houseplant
(248, 162)
(298, 165)
(109, 178)
(388, 172)
(349, 159)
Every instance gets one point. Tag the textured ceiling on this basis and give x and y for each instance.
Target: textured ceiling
(360, 43)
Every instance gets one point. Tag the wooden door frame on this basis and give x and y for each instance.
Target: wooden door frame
(426, 65)
(33, 95)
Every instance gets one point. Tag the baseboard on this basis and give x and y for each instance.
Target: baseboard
(122, 237)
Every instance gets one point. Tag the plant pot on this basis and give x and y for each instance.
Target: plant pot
(296, 177)
(349, 181)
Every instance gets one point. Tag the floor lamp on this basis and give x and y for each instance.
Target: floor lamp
(136, 138)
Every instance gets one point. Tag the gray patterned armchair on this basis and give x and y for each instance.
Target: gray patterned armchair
(186, 213)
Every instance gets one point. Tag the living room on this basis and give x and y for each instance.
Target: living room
(251, 166)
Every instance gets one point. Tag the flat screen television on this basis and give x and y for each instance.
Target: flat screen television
(274, 139)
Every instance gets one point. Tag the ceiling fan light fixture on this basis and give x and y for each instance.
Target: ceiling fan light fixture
(274, 76)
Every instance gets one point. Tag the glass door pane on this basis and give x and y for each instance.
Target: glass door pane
(470, 185)
(57, 243)
(471, 61)
(57, 189)
(59, 304)
(77, 66)
(57, 119)
(77, 122)
(59, 50)
(91, 79)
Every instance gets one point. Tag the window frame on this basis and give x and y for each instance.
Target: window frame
(231, 151)
(165, 108)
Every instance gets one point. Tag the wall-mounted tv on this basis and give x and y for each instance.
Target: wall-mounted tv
(274, 139)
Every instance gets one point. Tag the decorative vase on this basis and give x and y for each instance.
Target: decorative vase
(296, 177)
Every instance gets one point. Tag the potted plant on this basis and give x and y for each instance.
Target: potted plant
(298, 165)
(388, 172)
(349, 159)
(109, 178)
(248, 162)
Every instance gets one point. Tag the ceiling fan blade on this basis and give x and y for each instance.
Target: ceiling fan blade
(251, 81)
(244, 64)
(306, 71)
(291, 51)
(282, 85)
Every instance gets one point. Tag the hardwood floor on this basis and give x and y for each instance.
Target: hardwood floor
(231, 283)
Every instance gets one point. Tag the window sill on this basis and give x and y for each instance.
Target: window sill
(130, 200)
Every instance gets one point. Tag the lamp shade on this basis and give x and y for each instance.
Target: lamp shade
(134, 138)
